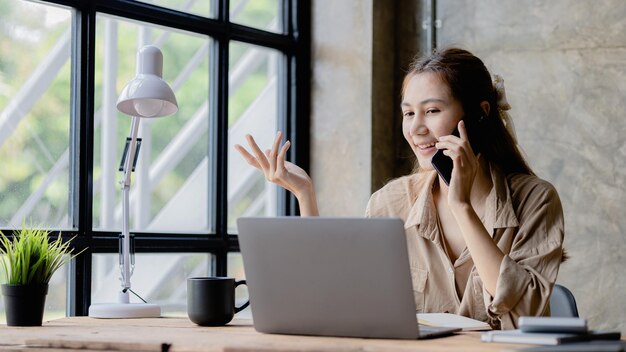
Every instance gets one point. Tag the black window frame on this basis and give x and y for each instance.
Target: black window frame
(293, 111)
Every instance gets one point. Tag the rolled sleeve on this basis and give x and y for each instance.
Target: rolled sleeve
(528, 273)
(510, 287)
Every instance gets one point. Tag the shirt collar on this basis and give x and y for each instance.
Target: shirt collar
(418, 214)
(499, 211)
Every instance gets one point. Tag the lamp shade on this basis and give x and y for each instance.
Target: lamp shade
(147, 95)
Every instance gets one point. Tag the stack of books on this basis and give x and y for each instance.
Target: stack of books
(549, 331)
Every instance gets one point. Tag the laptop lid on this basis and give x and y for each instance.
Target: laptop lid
(329, 276)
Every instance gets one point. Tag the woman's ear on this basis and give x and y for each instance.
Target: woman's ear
(486, 107)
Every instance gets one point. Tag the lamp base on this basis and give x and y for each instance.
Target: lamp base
(124, 310)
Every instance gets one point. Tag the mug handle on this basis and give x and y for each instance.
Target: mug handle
(245, 305)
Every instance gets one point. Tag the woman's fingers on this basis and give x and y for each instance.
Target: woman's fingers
(276, 144)
(260, 156)
(258, 159)
(273, 153)
(271, 161)
(464, 137)
(462, 130)
(456, 156)
(272, 165)
(280, 165)
(454, 143)
(449, 143)
(276, 169)
(248, 157)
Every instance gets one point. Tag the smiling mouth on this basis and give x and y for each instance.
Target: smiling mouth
(426, 146)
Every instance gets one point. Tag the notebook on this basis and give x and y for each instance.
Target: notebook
(452, 320)
(330, 277)
(545, 338)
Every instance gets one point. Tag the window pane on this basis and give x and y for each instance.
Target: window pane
(196, 7)
(235, 269)
(56, 299)
(34, 114)
(158, 278)
(169, 190)
(252, 109)
(261, 14)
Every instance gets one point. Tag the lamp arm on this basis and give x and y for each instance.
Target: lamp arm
(125, 263)
(134, 130)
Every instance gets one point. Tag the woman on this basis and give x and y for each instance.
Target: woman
(489, 245)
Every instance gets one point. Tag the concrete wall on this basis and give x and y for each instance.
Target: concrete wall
(564, 64)
(360, 50)
(341, 108)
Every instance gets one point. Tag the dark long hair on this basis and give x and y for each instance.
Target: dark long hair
(470, 83)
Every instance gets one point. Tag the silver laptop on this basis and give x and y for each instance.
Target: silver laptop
(330, 277)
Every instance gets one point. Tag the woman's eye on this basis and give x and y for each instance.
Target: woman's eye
(407, 114)
(432, 111)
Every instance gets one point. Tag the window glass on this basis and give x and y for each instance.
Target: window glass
(169, 188)
(34, 114)
(260, 14)
(196, 7)
(235, 270)
(159, 278)
(173, 184)
(252, 109)
(56, 299)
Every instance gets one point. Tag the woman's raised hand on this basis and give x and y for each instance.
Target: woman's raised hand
(466, 165)
(281, 172)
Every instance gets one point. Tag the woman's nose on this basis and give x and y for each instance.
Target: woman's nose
(418, 127)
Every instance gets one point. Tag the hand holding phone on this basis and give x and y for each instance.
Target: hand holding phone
(443, 163)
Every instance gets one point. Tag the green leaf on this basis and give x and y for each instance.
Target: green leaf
(30, 256)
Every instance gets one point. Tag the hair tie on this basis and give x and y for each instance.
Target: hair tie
(503, 105)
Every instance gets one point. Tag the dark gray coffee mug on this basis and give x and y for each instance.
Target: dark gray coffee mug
(211, 300)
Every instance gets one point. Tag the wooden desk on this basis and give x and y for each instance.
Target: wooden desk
(180, 334)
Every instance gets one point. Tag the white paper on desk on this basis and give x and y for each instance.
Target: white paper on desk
(448, 320)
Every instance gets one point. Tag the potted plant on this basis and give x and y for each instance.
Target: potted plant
(29, 260)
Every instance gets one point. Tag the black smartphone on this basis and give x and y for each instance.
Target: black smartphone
(443, 163)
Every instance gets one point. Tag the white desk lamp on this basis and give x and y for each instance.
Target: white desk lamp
(147, 95)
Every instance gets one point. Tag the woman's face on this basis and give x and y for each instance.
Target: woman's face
(428, 112)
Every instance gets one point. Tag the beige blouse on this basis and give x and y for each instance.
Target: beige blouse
(524, 216)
